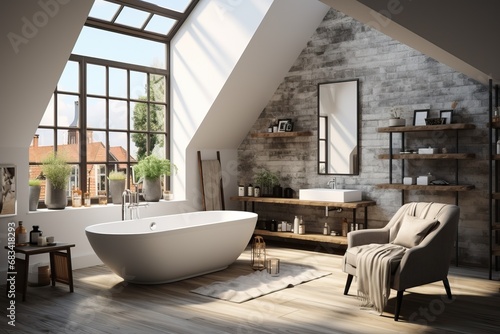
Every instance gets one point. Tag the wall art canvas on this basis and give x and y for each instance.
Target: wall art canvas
(8, 205)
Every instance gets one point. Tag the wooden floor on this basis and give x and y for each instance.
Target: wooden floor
(103, 303)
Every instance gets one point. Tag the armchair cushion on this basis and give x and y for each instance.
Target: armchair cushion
(413, 230)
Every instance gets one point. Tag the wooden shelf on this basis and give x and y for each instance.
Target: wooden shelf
(400, 186)
(309, 237)
(281, 134)
(415, 156)
(296, 201)
(442, 127)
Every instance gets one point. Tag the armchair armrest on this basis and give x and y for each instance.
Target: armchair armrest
(370, 236)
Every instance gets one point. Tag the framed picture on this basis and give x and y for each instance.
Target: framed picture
(8, 205)
(289, 127)
(447, 115)
(282, 124)
(419, 116)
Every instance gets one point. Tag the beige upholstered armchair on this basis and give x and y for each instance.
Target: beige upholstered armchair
(426, 231)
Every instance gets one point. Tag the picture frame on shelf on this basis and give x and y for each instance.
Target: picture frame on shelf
(282, 124)
(419, 116)
(447, 115)
(289, 127)
(8, 185)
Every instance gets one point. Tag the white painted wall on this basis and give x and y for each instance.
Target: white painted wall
(227, 61)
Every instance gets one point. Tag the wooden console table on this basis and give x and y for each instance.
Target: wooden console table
(339, 240)
(60, 264)
(295, 201)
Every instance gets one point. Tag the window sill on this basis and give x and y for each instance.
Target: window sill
(99, 207)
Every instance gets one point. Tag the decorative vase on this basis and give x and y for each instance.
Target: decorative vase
(397, 122)
(152, 189)
(116, 188)
(34, 197)
(55, 199)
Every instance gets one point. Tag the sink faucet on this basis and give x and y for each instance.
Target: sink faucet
(332, 183)
(133, 204)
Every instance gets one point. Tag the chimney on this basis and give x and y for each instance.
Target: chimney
(35, 140)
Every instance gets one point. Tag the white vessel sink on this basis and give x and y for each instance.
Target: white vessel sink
(330, 195)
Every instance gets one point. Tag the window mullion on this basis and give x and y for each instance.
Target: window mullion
(83, 126)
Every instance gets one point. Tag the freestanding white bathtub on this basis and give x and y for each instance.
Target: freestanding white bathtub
(172, 248)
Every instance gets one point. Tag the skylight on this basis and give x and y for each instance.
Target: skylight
(156, 20)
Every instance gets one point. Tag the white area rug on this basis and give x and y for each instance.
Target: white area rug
(260, 283)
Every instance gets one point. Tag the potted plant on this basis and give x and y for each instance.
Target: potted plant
(267, 180)
(34, 195)
(116, 186)
(396, 119)
(151, 168)
(57, 172)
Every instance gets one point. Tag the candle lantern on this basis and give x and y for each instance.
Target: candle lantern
(273, 266)
(258, 253)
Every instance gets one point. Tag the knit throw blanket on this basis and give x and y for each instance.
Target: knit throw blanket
(374, 273)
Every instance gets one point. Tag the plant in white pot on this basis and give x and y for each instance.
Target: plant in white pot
(34, 195)
(396, 119)
(56, 170)
(151, 168)
(116, 186)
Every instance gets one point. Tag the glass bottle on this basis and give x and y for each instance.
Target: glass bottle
(21, 235)
(250, 190)
(34, 234)
(76, 198)
(296, 223)
(344, 227)
(302, 228)
(86, 199)
(326, 229)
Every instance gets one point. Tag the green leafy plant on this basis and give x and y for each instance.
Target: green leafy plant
(56, 169)
(266, 178)
(152, 167)
(35, 183)
(114, 175)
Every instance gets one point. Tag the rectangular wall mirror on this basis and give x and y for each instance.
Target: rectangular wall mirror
(338, 133)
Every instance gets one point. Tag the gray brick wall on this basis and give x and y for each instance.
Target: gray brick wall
(390, 74)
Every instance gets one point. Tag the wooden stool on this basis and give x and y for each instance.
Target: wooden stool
(60, 265)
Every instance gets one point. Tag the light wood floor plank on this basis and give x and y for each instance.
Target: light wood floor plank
(103, 303)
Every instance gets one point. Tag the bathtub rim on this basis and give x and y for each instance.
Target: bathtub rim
(241, 215)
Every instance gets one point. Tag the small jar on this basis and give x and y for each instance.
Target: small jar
(241, 190)
(256, 191)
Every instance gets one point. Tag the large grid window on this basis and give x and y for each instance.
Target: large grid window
(103, 116)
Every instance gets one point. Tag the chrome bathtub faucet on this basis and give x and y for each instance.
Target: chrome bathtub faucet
(130, 201)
